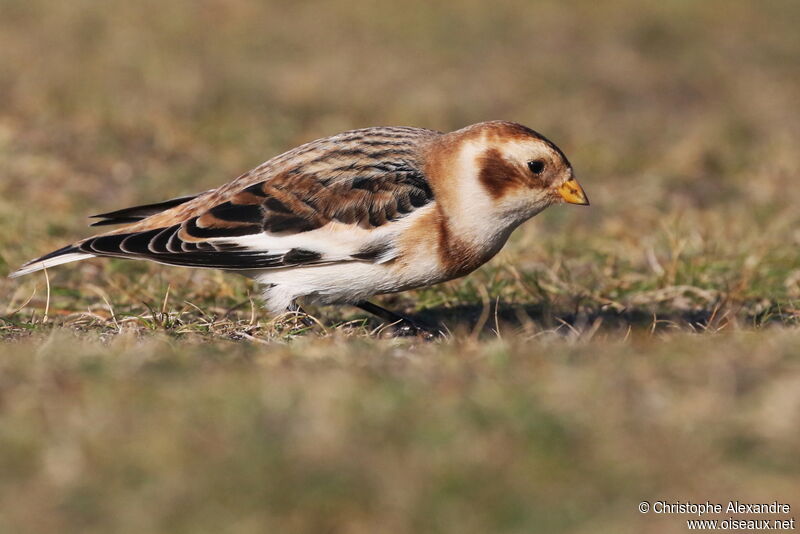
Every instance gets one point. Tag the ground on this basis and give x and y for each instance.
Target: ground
(645, 348)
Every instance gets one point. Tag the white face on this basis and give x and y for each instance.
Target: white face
(523, 175)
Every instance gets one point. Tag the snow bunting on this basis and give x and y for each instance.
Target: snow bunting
(361, 213)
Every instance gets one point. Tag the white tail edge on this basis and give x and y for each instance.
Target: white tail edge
(51, 262)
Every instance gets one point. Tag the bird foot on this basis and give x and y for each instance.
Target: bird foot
(301, 316)
(401, 325)
(409, 328)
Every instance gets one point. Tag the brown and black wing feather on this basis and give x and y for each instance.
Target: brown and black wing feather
(367, 196)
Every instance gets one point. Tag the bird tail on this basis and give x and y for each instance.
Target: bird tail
(67, 254)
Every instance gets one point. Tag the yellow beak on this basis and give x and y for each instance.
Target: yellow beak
(572, 193)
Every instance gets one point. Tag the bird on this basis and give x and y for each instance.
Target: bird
(343, 218)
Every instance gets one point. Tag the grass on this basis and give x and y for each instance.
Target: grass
(642, 349)
(365, 435)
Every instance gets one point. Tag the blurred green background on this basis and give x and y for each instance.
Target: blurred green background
(645, 348)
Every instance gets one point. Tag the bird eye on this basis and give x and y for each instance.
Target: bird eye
(536, 166)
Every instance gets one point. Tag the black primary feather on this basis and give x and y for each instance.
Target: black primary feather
(137, 213)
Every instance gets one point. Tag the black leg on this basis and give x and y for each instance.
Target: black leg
(402, 324)
(302, 315)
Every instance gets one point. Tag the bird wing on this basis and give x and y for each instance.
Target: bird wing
(332, 200)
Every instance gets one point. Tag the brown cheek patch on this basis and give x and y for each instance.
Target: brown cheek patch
(497, 175)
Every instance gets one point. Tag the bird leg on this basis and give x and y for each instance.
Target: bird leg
(302, 316)
(402, 324)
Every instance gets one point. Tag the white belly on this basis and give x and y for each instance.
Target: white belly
(343, 283)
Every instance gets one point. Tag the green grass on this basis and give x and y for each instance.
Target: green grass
(642, 349)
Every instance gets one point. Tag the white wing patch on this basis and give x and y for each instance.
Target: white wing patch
(335, 242)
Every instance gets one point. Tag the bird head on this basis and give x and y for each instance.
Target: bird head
(506, 171)
(491, 177)
(520, 167)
